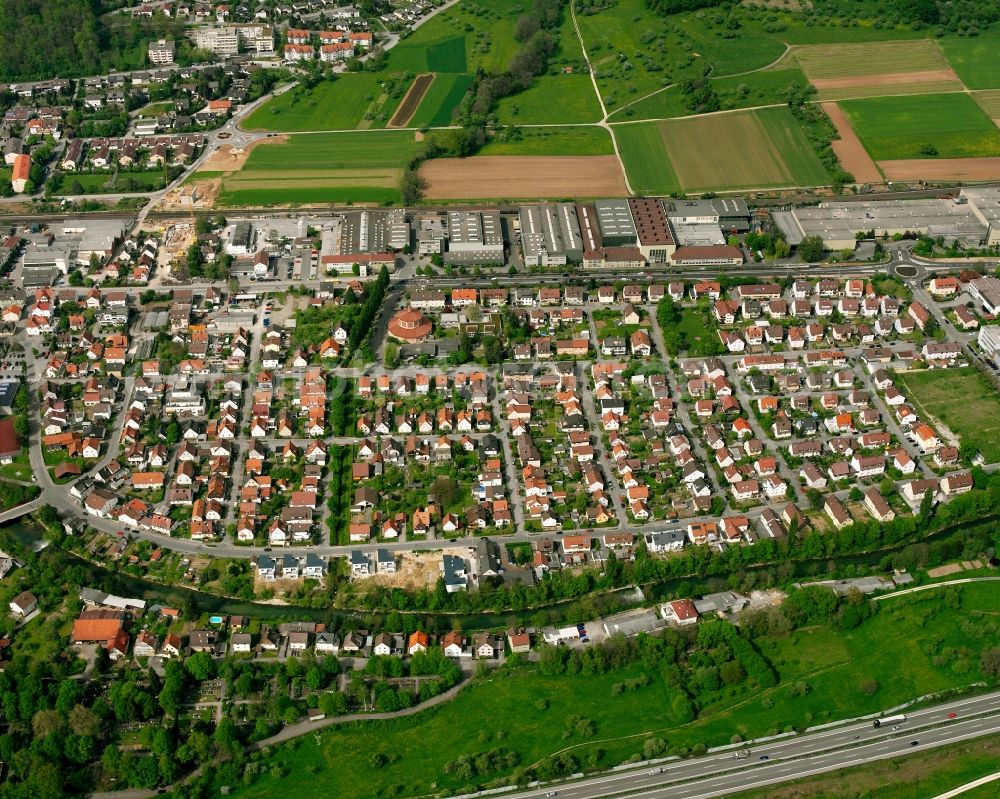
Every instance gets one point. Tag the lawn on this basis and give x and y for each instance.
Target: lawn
(561, 98)
(912, 777)
(341, 104)
(649, 171)
(915, 645)
(963, 401)
(155, 109)
(744, 150)
(580, 140)
(975, 59)
(908, 127)
(323, 168)
(441, 99)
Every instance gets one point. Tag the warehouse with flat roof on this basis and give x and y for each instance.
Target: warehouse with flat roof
(656, 241)
(838, 223)
(615, 223)
(474, 237)
(550, 234)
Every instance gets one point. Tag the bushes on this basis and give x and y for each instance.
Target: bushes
(715, 633)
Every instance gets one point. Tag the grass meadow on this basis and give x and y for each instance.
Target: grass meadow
(581, 140)
(963, 401)
(331, 105)
(905, 127)
(553, 99)
(975, 59)
(820, 679)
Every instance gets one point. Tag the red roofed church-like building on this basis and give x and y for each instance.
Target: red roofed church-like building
(410, 326)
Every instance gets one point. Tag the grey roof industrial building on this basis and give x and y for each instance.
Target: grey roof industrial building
(615, 223)
(550, 234)
(837, 223)
(474, 237)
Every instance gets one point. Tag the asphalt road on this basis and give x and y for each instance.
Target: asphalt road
(791, 758)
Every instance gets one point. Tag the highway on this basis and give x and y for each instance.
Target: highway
(790, 758)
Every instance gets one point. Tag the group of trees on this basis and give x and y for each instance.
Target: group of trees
(667, 7)
(370, 309)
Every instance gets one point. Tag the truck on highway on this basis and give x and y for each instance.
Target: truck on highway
(888, 720)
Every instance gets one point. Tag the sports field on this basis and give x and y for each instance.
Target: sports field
(340, 104)
(934, 125)
(960, 399)
(764, 148)
(323, 168)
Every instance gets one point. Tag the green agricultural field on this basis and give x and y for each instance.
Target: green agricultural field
(906, 127)
(843, 60)
(553, 99)
(443, 96)
(989, 101)
(975, 59)
(340, 104)
(821, 672)
(579, 140)
(962, 400)
(646, 164)
(323, 168)
(764, 148)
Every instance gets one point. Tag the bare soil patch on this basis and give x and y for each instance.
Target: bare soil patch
(885, 79)
(414, 570)
(986, 168)
(523, 177)
(411, 102)
(228, 158)
(849, 149)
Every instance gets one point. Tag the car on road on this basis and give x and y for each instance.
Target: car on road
(953, 715)
(914, 743)
(551, 793)
(656, 770)
(764, 757)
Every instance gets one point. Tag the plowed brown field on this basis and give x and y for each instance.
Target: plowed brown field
(512, 177)
(942, 169)
(849, 149)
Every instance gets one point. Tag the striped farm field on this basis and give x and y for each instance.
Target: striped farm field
(989, 101)
(757, 149)
(642, 150)
(876, 68)
(441, 99)
(323, 168)
(830, 61)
